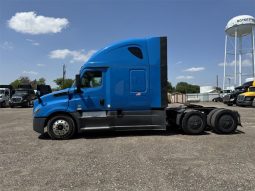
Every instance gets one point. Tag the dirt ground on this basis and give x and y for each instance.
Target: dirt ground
(126, 160)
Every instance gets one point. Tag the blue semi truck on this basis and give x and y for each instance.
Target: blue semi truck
(124, 87)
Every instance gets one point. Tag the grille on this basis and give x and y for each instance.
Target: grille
(240, 98)
(226, 98)
(16, 100)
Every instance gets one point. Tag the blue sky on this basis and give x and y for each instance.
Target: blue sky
(59, 31)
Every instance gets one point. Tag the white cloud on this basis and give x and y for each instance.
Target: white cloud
(29, 22)
(179, 62)
(29, 40)
(245, 63)
(195, 69)
(184, 77)
(74, 55)
(40, 65)
(30, 72)
(6, 45)
(33, 42)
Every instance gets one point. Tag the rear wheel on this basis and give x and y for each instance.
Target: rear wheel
(61, 127)
(224, 121)
(194, 122)
(209, 118)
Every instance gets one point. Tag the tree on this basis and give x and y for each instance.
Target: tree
(41, 81)
(21, 80)
(15, 83)
(67, 83)
(25, 80)
(184, 87)
(170, 88)
(218, 89)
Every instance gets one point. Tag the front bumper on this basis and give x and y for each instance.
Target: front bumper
(244, 103)
(39, 124)
(23, 104)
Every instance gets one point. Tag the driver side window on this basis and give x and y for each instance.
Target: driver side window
(91, 79)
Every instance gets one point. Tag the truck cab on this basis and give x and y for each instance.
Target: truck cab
(122, 86)
(22, 97)
(247, 98)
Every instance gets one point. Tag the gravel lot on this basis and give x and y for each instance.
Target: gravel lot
(125, 160)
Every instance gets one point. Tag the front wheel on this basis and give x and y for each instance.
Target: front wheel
(27, 104)
(61, 127)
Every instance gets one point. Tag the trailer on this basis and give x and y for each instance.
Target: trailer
(124, 87)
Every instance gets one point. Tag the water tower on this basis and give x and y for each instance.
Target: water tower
(239, 43)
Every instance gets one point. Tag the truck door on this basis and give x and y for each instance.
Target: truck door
(91, 103)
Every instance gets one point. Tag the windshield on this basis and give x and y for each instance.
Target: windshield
(20, 92)
(238, 90)
(226, 91)
(252, 89)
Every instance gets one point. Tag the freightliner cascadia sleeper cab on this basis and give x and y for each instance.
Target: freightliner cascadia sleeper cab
(124, 87)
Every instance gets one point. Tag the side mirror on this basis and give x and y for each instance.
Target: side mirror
(38, 93)
(38, 96)
(78, 83)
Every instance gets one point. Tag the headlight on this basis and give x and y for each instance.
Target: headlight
(36, 110)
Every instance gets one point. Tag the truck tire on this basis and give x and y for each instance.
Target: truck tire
(61, 127)
(209, 118)
(224, 121)
(253, 102)
(4, 104)
(194, 122)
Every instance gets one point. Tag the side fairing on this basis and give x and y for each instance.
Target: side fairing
(136, 77)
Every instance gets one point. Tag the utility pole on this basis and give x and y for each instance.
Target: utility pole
(217, 81)
(64, 75)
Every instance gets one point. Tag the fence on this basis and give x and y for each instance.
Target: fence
(194, 97)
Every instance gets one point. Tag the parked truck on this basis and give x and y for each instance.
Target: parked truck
(23, 96)
(5, 95)
(231, 98)
(248, 97)
(124, 87)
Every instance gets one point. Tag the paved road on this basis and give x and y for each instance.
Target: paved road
(125, 160)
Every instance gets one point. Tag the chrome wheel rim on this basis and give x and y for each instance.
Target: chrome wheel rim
(60, 127)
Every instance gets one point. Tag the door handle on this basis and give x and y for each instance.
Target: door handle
(101, 101)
